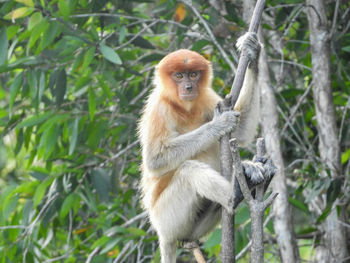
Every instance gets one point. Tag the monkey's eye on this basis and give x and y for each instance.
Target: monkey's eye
(179, 75)
(193, 75)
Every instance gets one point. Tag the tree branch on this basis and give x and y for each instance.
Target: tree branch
(227, 245)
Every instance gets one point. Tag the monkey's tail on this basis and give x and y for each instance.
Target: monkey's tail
(197, 253)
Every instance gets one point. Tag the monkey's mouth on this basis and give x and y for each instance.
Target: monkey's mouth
(188, 96)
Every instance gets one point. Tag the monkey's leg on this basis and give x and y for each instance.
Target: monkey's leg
(206, 220)
(168, 251)
(206, 182)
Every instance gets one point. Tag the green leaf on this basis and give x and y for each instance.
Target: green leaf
(298, 204)
(334, 190)
(324, 214)
(9, 206)
(73, 135)
(110, 245)
(96, 131)
(100, 242)
(101, 182)
(122, 33)
(27, 211)
(346, 49)
(49, 36)
(3, 45)
(152, 57)
(200, 44)
(61, 86)
(34, 120)
(34, 20)
(63, 5)
(141, 42)
(306, 230)
(19, 12)
(78, 62)
(136, 231)
(88, 57)
(48, 141)
(92, 104)
(69, 204)
(109, 54)
(14, 88)
(345, 156)
(40, 191)
(41, 86)
(214, 239)
(39, 28)
(26, 2)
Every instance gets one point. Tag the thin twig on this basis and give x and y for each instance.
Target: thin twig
(137, 35)
(13, 227)
(92, 254)
(134, 219)
(211, 35)
(295, 109)
(291, 63)
(335, 16)
(343, 118)
(127, 148)
(130, 18)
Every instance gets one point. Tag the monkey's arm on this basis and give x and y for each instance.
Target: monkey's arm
(248, 101)
(176, 150)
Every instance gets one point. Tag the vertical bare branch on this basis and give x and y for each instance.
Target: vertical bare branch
(257, 205)
(334, 248)
(269, 122)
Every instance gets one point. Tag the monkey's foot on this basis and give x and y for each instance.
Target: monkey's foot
(249, 45)
(189, 244)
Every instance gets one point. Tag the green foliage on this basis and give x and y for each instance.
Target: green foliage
(73, 77)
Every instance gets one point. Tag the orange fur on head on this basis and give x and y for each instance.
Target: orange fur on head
(180, 61)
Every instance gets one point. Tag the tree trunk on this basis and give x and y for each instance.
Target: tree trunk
(281, 209)
(269, 122)
(334, 247)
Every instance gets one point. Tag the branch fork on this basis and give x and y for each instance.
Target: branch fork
(257, 205)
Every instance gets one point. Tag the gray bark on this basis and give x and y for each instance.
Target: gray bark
(333, 248)
(283, 224)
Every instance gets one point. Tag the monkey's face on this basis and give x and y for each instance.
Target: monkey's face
(187, 83)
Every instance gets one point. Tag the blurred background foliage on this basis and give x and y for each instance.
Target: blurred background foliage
(73, 78)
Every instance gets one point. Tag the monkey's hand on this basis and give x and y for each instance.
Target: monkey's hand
(225, 122)
(249, 45)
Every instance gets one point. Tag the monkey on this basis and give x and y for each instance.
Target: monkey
(179, 130)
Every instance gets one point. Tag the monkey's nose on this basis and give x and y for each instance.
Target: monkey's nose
(188, 87)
